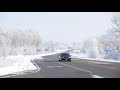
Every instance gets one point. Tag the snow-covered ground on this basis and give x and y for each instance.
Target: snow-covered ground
(20, 63)
(77, 54)
(96, 76)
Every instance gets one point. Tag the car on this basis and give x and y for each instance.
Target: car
(64, 57)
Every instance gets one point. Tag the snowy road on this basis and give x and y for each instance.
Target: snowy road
(78, 68)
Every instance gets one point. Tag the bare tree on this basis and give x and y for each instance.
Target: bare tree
(112, 39)
(116, 21)
(115, 33)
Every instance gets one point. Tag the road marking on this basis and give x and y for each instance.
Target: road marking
(93, 76)
(96, 76)
(75, 67)
(117, 66)
(105, 66)
(53, 66)
(91, 63)
(51, 60)
(96, 62)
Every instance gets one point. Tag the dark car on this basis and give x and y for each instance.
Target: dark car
(64, 57)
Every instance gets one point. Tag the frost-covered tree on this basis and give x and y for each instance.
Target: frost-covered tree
(112, 37)
(24, 41)
(93, 48)
(112, 40)
(50, 46)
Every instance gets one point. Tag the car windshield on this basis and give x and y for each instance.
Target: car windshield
(65, 54)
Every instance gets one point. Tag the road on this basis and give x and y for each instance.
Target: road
(77, 68)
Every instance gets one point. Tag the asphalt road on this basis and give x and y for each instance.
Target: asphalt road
(77, 68)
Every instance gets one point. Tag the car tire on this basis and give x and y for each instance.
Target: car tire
(69, 59)
(60, 60)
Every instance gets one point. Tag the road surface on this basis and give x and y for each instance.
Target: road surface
(77, 68)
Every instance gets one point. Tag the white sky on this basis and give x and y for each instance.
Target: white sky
(64, 27)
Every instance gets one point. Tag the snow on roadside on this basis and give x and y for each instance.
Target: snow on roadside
(96, 76)
(45, 54)
(75, 54)
(20, 63)
(13, 64)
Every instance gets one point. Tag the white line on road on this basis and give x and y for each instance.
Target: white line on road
(53, 66)
(96, 62)
(51, 60)
(93, 76)
(75, 67)
(96, 76)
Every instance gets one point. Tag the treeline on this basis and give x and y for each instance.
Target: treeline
(106, 46)
(19, 42)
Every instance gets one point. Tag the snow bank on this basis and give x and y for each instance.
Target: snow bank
(20, 63)
(14, 64)
(76, 54)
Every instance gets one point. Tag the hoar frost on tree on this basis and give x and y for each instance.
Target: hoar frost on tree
(112, 40)
(91, 48)
(19, 42)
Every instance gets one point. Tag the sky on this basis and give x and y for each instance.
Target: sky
(66, 27)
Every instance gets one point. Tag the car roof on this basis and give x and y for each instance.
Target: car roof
(64, 53)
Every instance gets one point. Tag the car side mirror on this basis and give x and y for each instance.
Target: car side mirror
(59, 56)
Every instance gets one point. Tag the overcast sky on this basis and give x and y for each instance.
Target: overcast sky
(64, 27)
